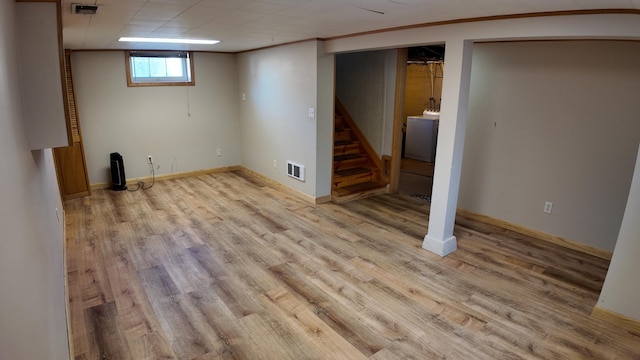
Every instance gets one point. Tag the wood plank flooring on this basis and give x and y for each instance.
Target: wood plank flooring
(223, 266)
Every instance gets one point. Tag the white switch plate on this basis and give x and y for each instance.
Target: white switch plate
(275, 163)
(219, 152)
(312, 113)
(548, 205)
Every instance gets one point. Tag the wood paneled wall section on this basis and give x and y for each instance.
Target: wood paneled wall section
(418, 89)
(71, 167)
(71, 99)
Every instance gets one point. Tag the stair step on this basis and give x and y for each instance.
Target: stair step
(342, 134)
(348, 161)
(347, 177)
(346, 142)
(358, 188)
(358, 191)
(347, 157)
(346, 147)
(354, 171)
(353, 181)
(353, 176)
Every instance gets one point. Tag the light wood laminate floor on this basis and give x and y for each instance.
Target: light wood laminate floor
(224, 266)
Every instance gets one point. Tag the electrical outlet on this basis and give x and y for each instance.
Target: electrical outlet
(219, 152)
(547, 207)
(275, 163)
(149, 159)
(312, 113)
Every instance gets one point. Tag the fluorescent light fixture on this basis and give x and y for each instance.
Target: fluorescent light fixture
(170, 41)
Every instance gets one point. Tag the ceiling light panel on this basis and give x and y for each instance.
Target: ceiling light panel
(169, 40)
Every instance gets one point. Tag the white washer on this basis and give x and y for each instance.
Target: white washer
(421, 137)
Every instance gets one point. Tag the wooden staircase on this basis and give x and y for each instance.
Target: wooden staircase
(357, 169)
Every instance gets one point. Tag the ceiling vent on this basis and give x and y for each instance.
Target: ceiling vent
(84, 9)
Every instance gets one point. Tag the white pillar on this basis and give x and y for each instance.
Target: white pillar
(451, 133)
(621, 290)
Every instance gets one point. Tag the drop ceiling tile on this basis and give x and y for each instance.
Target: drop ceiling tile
(265, 22)
(550, 5)
(147, 21)
(162, 11)
(297, 11)
(597, 4)
(240, 17)
(186, 3)
(210, 26)
(497, 7)
(288, 2)
(136, 30)
(193, 17)
(225, 4)
(347, 15)
(75, 21)
(274, 20)
(122, 4)
(169, 31)
(264, 7)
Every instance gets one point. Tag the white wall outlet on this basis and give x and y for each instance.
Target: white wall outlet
(548, 205)
(244, 96)
(275, 163)
(312, 113)
(219, 152)
(149, 159)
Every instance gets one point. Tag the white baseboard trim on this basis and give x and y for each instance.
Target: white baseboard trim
(440, 247)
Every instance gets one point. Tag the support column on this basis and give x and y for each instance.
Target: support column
(620, 296)
(451, 134)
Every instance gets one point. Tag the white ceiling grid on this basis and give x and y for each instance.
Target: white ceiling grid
(249, 24)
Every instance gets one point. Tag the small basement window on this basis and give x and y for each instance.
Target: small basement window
(159, 68)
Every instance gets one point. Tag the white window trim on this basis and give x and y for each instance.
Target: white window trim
(162, 81)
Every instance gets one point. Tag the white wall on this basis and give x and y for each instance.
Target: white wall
(41, 81)
(365, 83)
(324, 121)
(621, 289)
(32, 301)
(280, 84)
(599, 26)
(553, 121)
(182, 127)
(360, 85)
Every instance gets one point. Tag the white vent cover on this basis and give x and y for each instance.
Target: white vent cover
(296, 171)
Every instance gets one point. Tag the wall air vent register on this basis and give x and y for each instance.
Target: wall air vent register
(296, 171)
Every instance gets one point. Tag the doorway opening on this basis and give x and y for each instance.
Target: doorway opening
(421, 116)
